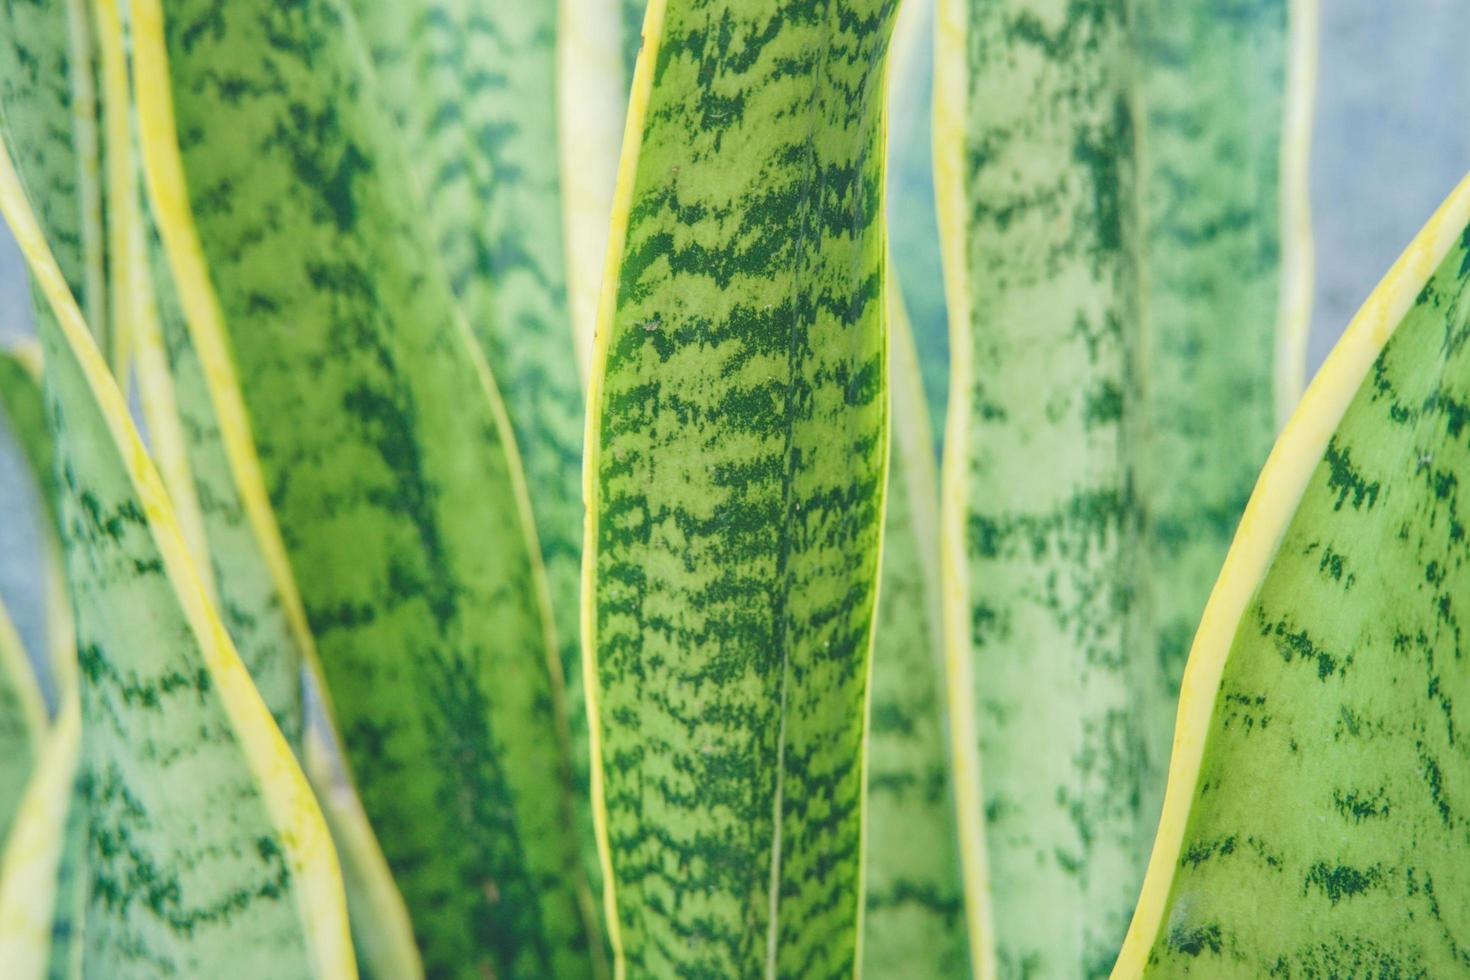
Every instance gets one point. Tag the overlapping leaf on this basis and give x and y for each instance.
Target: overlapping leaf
(309, 281)
(1222, 190)
(171, 717)
(1315, 821)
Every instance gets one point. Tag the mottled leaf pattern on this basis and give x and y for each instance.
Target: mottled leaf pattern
(49, 115)
(915, 903)
(736, 449)
(1034, 145)
(473, 86)
(1213, 90)
(1315, 823)
(388, 460)
(170, 718)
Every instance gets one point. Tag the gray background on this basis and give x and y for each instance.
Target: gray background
(1391, 138)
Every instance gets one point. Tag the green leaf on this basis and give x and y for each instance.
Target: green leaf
(736, 460)
(592, 103)
(309, 282)
(22, 721)
(42, 891)
(1229, 281)
(206, 853)
(483, 144)
(49, 115)
(913, 223)
(24, 410)
(1315, 818)
(1041, 516)
(914, 923)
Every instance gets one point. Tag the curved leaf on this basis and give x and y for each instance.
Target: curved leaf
(49, 114)
(736, 461)
(22, 722)
(24, 410)
(41, 887)
(1222, 190)
(308, 282)
(1041, 523)
(173, 723)
(914, 923)
(913, 222)
(476, 90)
(1315, 820)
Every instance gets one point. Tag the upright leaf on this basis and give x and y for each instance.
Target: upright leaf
(1222, 188)
(736, 460)
(310, 283)
(915, 924)
(42, 886)
(22, 722)
(475, 89)
(1315, 821)
(24, 411)
(591, 105)
(42, 872)
(913, 222)
(206, 853)
(49, 114)
(1040, 516)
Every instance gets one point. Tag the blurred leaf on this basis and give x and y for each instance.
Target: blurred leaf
(310, 284)
(206, 853)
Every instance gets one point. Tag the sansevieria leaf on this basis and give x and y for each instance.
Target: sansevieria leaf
(592, 101)
(1315, 820)
(22, 722)
(229, 532)
(915, 923)
(48, 100)
(474, 86)
(172, 725)
(309, 279)
(24, 412)
(42, 878)
(1222, 190)
(735, 470)
(1041, 524)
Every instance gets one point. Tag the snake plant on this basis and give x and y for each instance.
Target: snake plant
(608, 489)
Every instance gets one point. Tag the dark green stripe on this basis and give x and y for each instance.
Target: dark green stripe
(737, 485)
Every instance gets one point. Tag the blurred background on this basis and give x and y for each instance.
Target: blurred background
(1391, 138)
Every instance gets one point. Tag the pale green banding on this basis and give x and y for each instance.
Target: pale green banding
(1212, 81)
(914, 924)
(1323, 812)
(1041, 453)
(22, 722)
(389, 463)
(244, 590)
(173, 730)
(913, 228)
(48, 113)
(735, 473)
(473, 86)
